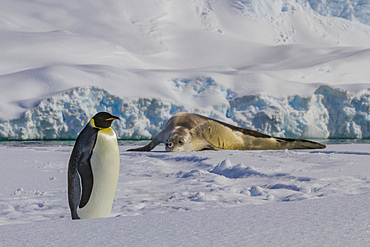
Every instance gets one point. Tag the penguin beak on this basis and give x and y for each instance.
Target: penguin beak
(112, 118)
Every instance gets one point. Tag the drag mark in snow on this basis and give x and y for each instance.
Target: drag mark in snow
(225, 168)
(339, 152)
(274, 186)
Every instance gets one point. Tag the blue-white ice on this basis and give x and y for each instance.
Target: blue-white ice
(328, 113)
(354, 10)
(358, 10)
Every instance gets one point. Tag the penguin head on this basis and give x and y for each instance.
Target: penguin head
(102, 120)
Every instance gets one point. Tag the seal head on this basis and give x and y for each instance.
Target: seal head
(179, 140)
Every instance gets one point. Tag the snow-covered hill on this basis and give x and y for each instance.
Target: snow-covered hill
(286, 68)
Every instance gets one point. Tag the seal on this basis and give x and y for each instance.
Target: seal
(193, 132)
(93, 169)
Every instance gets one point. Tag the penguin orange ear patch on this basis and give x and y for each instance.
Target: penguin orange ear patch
(93, 122)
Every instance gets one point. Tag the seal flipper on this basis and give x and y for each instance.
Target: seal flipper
(200, 140)
(209, 146)
(147, 147)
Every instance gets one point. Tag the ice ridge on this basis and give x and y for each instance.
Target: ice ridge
(328, 113)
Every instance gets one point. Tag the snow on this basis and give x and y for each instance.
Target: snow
(286, 68)
(210, 198)
(284, 62)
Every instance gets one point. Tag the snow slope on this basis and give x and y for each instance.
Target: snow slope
(214, 198)
(159, 57)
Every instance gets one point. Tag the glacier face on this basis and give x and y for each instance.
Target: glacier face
(351, 10)
(354, 10)
(328, 113)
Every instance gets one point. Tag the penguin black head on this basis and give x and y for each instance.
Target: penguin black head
(103, 120)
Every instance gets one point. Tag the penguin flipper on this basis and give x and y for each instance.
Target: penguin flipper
(79, 163)
(80, 183)
(74, 192)
(87, 181)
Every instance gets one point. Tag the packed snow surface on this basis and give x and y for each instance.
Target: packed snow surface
(210, 198)
(286, 68)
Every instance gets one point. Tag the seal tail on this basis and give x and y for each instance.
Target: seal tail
(291, 143)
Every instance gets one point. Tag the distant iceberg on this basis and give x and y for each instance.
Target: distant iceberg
(328, 113)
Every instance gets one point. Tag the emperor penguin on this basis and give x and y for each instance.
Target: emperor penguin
(93, 169)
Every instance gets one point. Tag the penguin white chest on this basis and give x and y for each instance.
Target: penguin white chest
(105, 168)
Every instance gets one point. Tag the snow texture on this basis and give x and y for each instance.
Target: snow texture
(286, 68)
(294, 68)
(214, 198)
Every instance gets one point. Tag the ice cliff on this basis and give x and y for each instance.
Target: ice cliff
(328, 113)
(351, 10)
